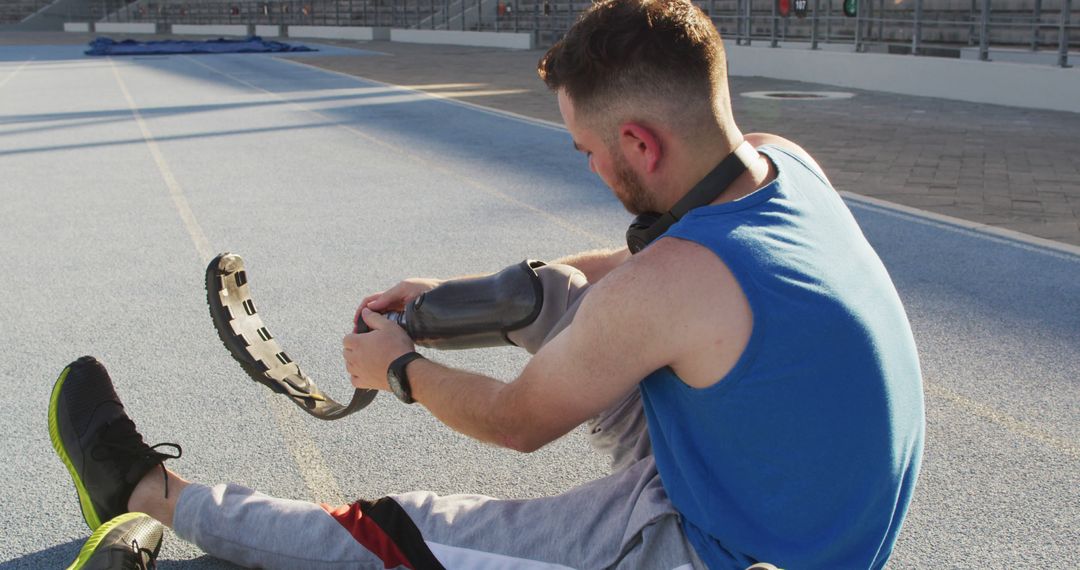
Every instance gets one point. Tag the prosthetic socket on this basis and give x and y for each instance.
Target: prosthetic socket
(475, 312)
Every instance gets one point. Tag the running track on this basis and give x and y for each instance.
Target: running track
(120, 178)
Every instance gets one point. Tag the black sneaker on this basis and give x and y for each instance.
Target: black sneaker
(128, 542)
(97, 441)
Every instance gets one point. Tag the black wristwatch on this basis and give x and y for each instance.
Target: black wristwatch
(398, 379)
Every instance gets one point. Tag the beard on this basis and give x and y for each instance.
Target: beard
(635, 197)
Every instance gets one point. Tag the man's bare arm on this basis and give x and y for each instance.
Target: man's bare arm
(585, 369)
(597, 263)
(581, 372)
(635, 321)
(464, 401)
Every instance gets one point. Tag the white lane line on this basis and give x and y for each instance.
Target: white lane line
(16, 72)
(320, 482)
(1004, 420)
(975, 408)
(1057, 249)
(597, 239)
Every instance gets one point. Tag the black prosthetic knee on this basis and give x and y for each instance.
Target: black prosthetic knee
(475, 312)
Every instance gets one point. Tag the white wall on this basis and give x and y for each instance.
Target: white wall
(480, 39)
(267, 31)
(210, 30)
(339, 32)
(125, 28)
(1018, 85)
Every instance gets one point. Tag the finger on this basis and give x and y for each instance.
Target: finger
(360, 307)
(368, 300)
(348, 365)
(356, 320)
(380, 302)
(350, 343)
(374, 320)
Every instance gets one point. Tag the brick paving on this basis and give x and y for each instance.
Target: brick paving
(1017, 169)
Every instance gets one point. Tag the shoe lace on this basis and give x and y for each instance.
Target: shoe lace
(120, 440)
(146, 560)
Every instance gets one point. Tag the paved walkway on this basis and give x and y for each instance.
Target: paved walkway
(1010, 168)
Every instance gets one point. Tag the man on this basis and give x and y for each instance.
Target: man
(759, 339)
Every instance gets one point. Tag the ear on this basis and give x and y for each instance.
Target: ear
(641, 146)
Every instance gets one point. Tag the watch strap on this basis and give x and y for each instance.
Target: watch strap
(397, 370)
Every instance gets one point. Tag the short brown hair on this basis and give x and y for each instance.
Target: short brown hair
(628, 57)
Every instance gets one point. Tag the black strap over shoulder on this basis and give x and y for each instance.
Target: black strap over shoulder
(650, 225)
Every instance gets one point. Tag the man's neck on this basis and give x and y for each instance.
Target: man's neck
(759, 172)
(699, 164)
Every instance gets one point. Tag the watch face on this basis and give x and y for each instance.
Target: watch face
(395, 385)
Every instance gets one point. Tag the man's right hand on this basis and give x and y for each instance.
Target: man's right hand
(396, 297)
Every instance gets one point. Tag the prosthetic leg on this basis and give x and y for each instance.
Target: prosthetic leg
(242, 331)
(523, 305)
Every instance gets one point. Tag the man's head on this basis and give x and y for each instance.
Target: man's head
(635, 73)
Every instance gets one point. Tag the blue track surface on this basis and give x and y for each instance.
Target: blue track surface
(121, 177)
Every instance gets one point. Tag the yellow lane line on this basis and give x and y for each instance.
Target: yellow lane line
(16, 72)
(176, 192)
(320, 481)
(1004, 420)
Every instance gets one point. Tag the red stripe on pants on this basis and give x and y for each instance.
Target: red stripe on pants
(368, 534)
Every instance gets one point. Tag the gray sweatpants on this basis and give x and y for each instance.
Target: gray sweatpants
(624, 520)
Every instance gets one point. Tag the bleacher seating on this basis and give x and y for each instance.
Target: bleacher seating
(887, 23)
(15, 11)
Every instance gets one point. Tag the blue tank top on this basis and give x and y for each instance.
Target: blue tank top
(805, 454)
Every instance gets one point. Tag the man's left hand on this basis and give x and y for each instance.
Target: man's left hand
(368, 355)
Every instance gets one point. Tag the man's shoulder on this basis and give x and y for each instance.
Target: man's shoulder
(642, 314)
(763, 139)
(684, 300)
(667, 261)
(668, 276)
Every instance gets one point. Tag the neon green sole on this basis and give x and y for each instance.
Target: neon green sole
(89, 515)
(95, 539)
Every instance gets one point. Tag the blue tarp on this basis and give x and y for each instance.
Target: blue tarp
(254, 44)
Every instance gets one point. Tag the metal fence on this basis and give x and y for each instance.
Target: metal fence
(15, 11)
(490, 15)
(919, 27)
